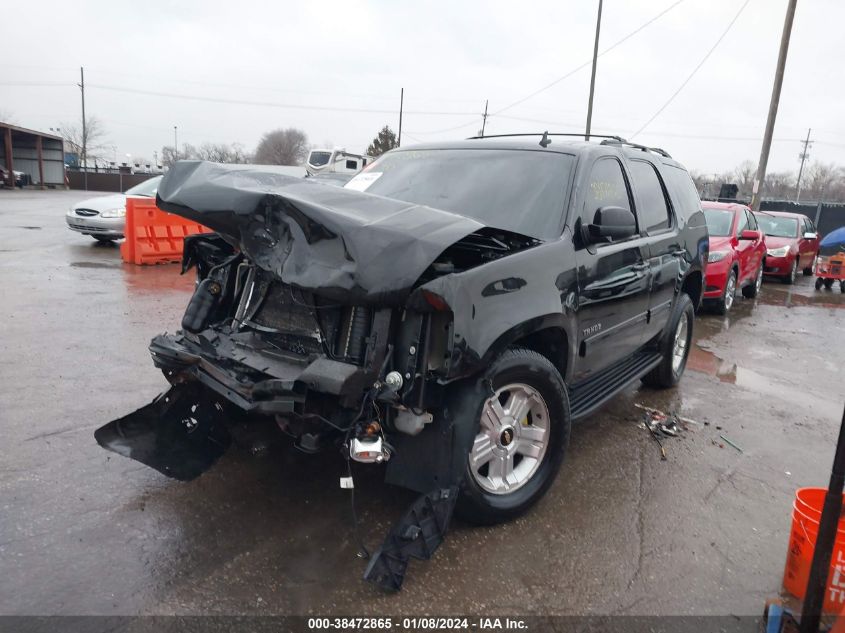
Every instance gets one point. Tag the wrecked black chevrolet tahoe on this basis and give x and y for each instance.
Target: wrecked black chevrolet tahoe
(448, 314)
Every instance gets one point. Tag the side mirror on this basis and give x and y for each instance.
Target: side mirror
(614, 223)
(809, 235)
(749, 234)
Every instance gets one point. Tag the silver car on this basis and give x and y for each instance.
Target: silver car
(103, 218)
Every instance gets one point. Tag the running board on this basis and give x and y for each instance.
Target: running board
(588, 395)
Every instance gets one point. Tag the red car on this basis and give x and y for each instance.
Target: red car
(792, 244)
(737, 252)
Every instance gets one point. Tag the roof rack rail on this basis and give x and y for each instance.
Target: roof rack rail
(645, 148)
(545, 136)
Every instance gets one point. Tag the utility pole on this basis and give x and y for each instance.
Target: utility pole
(804, 155)
(84, 129)
(175, 145)
(593, 76)
(773, 106)
(484, 118)
(401, 106)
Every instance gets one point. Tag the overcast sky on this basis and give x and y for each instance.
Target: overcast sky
(353, 57)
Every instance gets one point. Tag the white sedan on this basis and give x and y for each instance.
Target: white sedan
(103, 218)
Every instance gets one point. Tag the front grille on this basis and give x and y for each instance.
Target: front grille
(87, 212)
(88, 229)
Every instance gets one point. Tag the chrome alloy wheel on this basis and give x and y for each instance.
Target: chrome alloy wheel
(679, 349)
(512, 439)
(730, 291)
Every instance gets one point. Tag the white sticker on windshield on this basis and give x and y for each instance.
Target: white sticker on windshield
(361, 182)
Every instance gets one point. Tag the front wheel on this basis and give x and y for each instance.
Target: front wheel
(674, 346)
(724, 303)
(819, 283)
(793, 273)
(522, 437)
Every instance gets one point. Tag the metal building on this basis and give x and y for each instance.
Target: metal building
(39, 155)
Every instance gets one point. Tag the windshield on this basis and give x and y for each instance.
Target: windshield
(778, 227)
(318, 159)
(146, 188)
(719, 221)
(517, 190)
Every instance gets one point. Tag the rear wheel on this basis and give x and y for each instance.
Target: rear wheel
(521, 440)
(819, 283)
(674, 346)
(842, 287)
(752, 290)
(808, 271)
(828, 284)
(793, 273)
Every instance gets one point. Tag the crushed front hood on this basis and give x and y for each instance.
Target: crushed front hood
(344, 244)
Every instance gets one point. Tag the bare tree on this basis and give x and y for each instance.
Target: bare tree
(821, 180)
(282, 147)
(743, 177)
(223, 153)
(779, 184)
(93, 140)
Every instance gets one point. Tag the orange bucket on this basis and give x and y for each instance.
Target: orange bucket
(806, 513)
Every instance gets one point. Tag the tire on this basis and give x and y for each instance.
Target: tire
(842, 287)
(486, 498)
(828, 284)
(103, 240)
(669, 371)
(819, 283)
(752, 290)
(723, 304)
(807, 272)
(793, 273)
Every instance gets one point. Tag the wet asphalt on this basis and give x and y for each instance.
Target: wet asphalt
(268, 531)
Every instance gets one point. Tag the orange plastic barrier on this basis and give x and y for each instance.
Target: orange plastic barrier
(806, 512)
(154, 236)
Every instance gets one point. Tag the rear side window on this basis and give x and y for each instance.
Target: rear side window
(606, 188)
(682, 190)
(653, 210)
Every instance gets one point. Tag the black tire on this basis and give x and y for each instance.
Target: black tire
(793, 273)
(725, 302)
(103, 240)
(807, 272)
(842, 287)
(828, 284)
(819, 283)
(517, 365)
(665, 375)
(752, 290)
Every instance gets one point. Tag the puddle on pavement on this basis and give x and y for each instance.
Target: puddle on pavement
(802, 295)
(706, 362)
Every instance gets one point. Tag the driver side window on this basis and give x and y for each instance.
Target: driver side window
(607, 187)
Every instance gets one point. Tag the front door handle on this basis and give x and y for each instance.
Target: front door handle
(639, 266)
(679, 253)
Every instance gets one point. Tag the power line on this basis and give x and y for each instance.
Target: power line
(590, 61)
(270, 104)
(562, 77)
(694, 70)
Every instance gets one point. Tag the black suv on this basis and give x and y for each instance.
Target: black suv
(448, 313)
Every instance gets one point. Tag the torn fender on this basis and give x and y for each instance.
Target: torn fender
(343, 244)
(181, 433)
